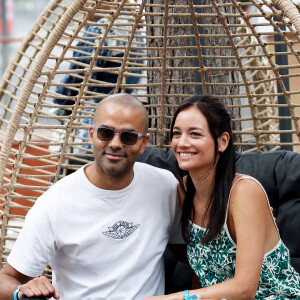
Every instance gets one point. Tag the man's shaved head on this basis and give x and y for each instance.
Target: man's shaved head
(127, 101)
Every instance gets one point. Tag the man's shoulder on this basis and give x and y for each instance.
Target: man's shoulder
(71, 177)
(66, 183)
(151, 168)
(156, 172)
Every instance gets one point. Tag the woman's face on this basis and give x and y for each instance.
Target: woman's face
(192, 142)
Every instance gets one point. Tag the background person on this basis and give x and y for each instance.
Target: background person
(101, 83)
(112, 51)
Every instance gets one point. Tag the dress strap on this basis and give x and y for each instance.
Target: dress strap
(233, 185)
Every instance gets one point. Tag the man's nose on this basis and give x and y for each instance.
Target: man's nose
(116, 141)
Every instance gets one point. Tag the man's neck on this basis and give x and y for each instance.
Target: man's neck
(107, 181)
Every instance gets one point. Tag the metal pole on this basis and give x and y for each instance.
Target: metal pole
(282, 59)
(198, 88)
(4, 51)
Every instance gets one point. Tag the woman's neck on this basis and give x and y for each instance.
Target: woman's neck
(203, 186)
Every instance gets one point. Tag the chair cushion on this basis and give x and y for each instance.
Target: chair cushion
(279, 173)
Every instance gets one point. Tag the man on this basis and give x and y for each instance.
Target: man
(104, 228)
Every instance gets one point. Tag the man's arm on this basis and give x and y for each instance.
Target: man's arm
(10, 279)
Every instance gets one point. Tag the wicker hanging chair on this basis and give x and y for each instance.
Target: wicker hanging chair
(247, 53)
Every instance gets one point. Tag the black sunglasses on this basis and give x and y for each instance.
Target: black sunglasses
(128, 138)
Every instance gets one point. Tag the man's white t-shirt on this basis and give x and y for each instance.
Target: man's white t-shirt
(101, 244)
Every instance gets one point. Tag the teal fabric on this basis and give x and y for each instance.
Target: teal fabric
(215, 262)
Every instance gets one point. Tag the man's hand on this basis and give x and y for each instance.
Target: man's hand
(38, 287)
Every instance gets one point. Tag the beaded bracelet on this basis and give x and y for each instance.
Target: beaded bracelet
(187, 297)
(16, 292)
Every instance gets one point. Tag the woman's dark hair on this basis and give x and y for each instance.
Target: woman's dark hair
(219, 121)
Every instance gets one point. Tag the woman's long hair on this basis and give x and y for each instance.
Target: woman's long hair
(219, 121)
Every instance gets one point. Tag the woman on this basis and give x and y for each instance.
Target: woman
(233, 243)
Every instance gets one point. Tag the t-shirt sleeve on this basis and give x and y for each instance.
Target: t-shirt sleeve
(35, 245)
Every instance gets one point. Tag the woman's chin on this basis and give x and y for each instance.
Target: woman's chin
(183, 166)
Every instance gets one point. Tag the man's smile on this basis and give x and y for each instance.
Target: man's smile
(112, 156)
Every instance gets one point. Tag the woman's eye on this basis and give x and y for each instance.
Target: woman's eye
(195, 134)
(176, 133)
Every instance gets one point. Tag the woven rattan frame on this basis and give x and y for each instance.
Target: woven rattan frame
(223, 48)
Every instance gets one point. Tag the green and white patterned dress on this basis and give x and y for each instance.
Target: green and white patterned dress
(215, 262)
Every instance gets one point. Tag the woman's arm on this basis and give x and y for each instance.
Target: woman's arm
(247, 226)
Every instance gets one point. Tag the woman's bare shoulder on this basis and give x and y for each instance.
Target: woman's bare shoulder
(247, 191)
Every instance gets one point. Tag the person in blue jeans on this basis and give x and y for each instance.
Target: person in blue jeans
(108, 51)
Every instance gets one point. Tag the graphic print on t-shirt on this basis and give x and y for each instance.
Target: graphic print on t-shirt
(121, 230)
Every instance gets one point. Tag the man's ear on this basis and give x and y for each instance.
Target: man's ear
(91, 133)
(145, 142)
(223, 141)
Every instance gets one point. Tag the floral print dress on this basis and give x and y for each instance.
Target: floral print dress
(215, 262)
